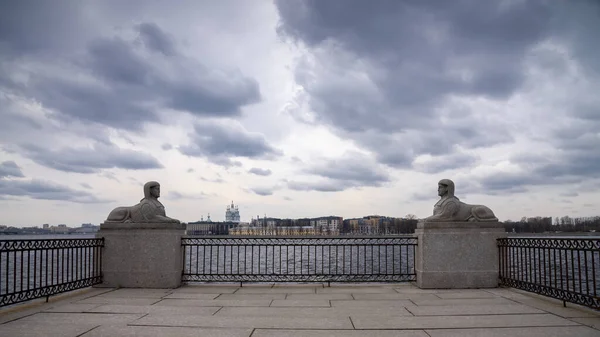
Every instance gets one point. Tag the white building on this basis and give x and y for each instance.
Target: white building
(232, 214)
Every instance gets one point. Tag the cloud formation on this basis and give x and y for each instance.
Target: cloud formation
(219, 142)
(45, 190)
(260, 172)
(90, 160)
(10, 169)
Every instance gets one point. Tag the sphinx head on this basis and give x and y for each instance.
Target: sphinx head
(446, 188)
(152, 190)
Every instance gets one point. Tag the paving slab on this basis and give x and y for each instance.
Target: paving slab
(15, 329)
(465, 301)
(300, 303)
(556, 307)
(104, 331)
(119, 300)
(395, 296)
(246, 322)
(338, 333)
(239, 297)
(372, 303)
(414, 290)
(215, 303)
(312, 312)
(457, 322)
(206, 289)
(79, 318)
(192, 296)
(296, 285)
(72, 307)
(278, 290)
(574, 331)
(137, 293)
(589, 321)
(166, 310)
(453, 310)
(319, 297)
(356, 290)
(471, 294)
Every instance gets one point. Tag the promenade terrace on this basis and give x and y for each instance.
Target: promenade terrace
(260, 310)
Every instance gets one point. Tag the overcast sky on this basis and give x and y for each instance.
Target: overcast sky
(298, 108)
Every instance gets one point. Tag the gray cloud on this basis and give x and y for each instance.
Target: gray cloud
(86, 185)
(179, 196)
(388, 74)
(320, 186)
(166, 146)
(352, 170)
(263, 191)
(219, 142)
(115, 81)
(445, 162)
(10, 169)
(89, 160)
(216, 180)
(259, 171)
(40, 189)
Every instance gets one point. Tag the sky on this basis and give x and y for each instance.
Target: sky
(298, 108)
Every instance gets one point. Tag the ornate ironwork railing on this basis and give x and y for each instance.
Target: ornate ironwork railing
(299, 259)
(32, 269)
(566, 269)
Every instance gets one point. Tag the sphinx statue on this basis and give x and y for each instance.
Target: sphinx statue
(449, 208)
(149, 209)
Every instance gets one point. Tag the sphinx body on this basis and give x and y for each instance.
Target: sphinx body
(450, 208)
(149, 209)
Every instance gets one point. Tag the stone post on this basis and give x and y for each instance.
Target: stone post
(142, 255)
(457, 255)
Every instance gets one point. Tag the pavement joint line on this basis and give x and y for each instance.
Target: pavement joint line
(351, 322)
(81, 334)
(252, 332)
(405, 308)
(214, 313)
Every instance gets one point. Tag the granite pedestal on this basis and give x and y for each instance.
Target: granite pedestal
(142, 255)
(458, 255)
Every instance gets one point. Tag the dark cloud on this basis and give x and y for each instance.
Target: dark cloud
(157, 40)
(90, 159)
(263, 191)
(388, 74)
(219, 142)
(115, 81)
(10, 169)
(351, 167)
(40, 189)
(86, 185)
(259, 171)
(445, 162)
(352, 170)
(166, 146)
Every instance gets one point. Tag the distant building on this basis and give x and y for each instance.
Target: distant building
(232, 214)
(210, 227)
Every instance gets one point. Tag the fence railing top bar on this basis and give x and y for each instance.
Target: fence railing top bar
(51, 239)
(41, 244)
(583, 238)
(296, 237)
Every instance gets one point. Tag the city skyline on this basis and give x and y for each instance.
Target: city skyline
(298, 108)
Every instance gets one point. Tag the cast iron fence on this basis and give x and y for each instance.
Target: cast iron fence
(299, 259)
(566, 269)
(32, 269)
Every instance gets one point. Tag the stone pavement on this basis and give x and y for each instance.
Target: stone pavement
(299, 310)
